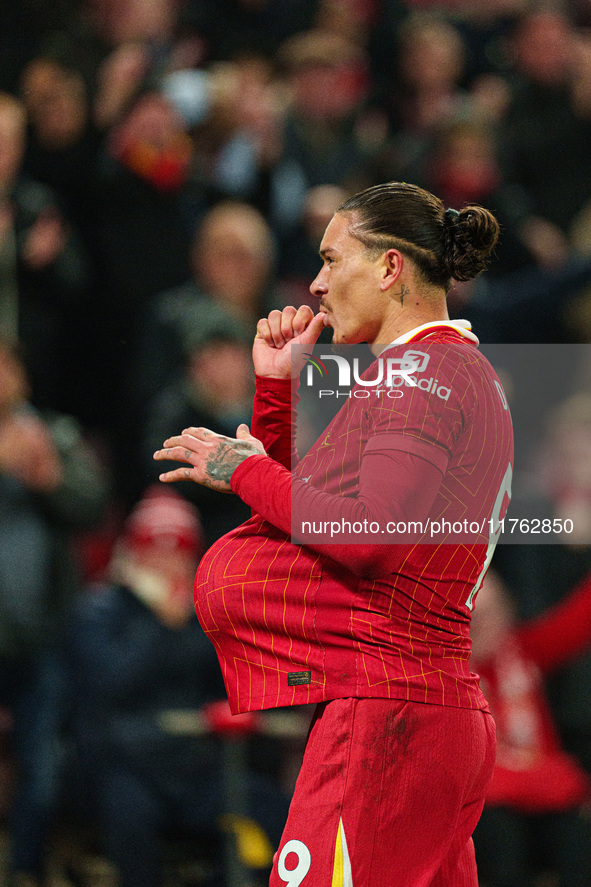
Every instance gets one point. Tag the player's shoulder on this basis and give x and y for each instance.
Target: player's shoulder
(446, 356)
(454, 351)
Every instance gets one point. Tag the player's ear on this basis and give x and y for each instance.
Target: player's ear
(392, 265)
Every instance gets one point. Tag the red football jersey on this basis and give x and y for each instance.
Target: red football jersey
(300, 623)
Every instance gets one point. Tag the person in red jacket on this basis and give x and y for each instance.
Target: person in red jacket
(537, 788)
(401, 747)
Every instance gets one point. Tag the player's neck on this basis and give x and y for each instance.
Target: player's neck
(394, 327)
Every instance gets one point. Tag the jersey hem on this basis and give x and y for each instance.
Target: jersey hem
(287, 700)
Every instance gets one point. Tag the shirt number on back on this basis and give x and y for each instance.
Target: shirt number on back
(494, 532)
(293, 877)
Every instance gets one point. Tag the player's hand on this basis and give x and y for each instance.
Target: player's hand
(208, 458)
(272, 351)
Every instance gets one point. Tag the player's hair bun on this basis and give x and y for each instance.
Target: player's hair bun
(469, 237)
(444, 244)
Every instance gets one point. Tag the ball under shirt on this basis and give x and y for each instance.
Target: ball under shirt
(303, 623)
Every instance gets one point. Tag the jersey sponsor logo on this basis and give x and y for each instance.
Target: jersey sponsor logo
(431, 386)
(418, 360)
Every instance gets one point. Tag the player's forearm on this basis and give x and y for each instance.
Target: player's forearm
(274, 418)
(268, 487)
(386, 494)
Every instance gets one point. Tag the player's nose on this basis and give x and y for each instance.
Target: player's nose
(319, 286)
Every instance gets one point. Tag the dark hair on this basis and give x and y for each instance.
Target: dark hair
(443, 244)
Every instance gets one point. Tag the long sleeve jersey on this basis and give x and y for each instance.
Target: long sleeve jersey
(297, 623)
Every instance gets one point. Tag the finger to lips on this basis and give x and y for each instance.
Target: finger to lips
(318, 321)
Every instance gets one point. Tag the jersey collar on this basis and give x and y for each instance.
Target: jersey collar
(463, 327)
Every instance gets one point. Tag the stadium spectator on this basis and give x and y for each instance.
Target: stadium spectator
(214, 390)
(45, 269)
(125, 21)
(544, 136)
(537, 788)
(240, 142)
(234, 28)
(24, 29)
(530, 304)
(142, 238)
(462, 164)
(139, 657)
(231, 258)
(327, 79)
(51, 486)
(297, 261)
(425, 91)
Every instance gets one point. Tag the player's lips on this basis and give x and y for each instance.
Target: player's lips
(324, 310)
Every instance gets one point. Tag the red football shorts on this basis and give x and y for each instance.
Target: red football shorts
(388, 796)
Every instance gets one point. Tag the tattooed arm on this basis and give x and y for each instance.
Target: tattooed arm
(209, 459)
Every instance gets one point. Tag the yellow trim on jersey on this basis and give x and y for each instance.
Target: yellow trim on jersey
(337, 871)
(341, 873)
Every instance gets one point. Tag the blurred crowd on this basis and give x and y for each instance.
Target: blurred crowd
(167, 169)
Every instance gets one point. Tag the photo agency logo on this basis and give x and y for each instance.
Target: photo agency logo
(387, 376)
